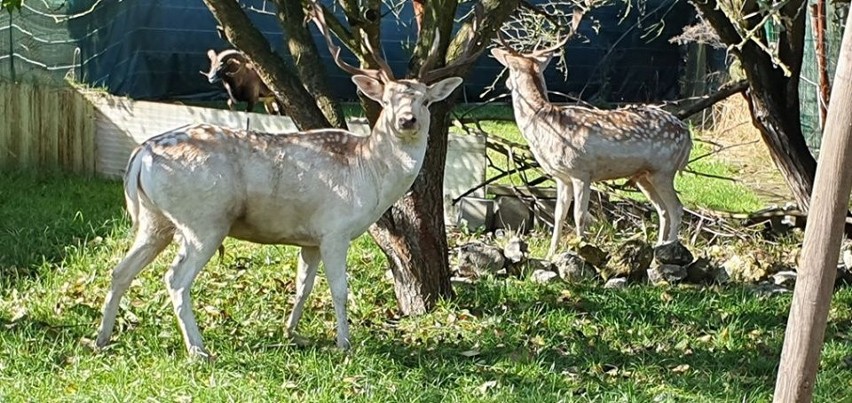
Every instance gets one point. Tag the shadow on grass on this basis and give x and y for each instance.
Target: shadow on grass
(577, 359)
(42, 215)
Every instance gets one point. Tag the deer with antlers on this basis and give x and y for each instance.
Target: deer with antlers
(317, 189)
(577, 145)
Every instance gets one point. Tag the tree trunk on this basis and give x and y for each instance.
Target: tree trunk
(805, 333)
(786, 145)
(291, 15)
(412, 233)
(296, 101)
(773, 97)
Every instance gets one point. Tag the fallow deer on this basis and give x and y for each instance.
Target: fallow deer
(317, 189)
(241, 81)
(578, 145)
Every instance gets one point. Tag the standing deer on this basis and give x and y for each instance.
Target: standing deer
(317, 189)
(241, 81)
(577, 145)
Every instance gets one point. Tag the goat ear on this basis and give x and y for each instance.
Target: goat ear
(443, 88)
(372, 88)
(500, 55)
(211, 54)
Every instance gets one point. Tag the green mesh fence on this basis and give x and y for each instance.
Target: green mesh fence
(809, 83)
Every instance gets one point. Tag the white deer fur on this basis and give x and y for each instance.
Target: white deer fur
(578, 146)
(317, 189)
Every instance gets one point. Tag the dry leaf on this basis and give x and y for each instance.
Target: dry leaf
(681, 368)
(470, 353)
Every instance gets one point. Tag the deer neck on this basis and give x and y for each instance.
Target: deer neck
(393, 161)
(529, 100)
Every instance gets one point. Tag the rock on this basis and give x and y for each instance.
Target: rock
(720, 275)
(592, 254)
(477, 258)
(572, 267)
(617, 283)
(673, 253)
(544, 276)
(744, 269)
(667, 273)
(528, 266)
(767, 288)
(700, 271)
(844, 276)
(631, 260)
(846, 256)
(515, 250)
(786, 279)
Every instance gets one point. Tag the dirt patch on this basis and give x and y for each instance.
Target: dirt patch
(728, 127)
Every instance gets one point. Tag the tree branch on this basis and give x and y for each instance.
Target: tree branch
(709, 100)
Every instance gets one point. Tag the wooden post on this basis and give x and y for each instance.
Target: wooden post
(805, 333)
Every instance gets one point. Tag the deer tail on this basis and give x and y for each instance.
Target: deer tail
(131, 184)
(683, 157)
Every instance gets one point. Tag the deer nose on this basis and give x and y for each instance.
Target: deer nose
(406, 122)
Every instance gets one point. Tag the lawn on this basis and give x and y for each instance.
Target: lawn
(499, 340)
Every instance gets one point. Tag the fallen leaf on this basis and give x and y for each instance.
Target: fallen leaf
(485, 386)
(681, 368)
(470, 353)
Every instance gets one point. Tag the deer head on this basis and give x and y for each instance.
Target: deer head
(534, 63)
(405, 102)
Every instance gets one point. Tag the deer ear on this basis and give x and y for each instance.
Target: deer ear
(543, 61)
(500, 55)
(372, 88)
(443, 88)
(211, 54)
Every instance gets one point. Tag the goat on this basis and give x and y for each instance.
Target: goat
(317, 189)
(241, 81)
(577, 145)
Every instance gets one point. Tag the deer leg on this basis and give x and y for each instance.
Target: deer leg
(564, 194)
(232, 103)
(150, 240)
(650, 192)
(334, 258)
(249, 106)
(582, 190)
(194, 253)
(664, 184)
(309, 259)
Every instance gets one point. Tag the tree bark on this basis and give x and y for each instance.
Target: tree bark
(306, 58)
(296, 101)
(773, 97)
(412, 233)
(806, 324)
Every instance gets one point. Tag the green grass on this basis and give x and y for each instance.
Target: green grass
(499, 340)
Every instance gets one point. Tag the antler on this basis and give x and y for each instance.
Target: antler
(384, 72)
(575, 22)
(468, 56)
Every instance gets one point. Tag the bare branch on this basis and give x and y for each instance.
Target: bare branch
(709, 100)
